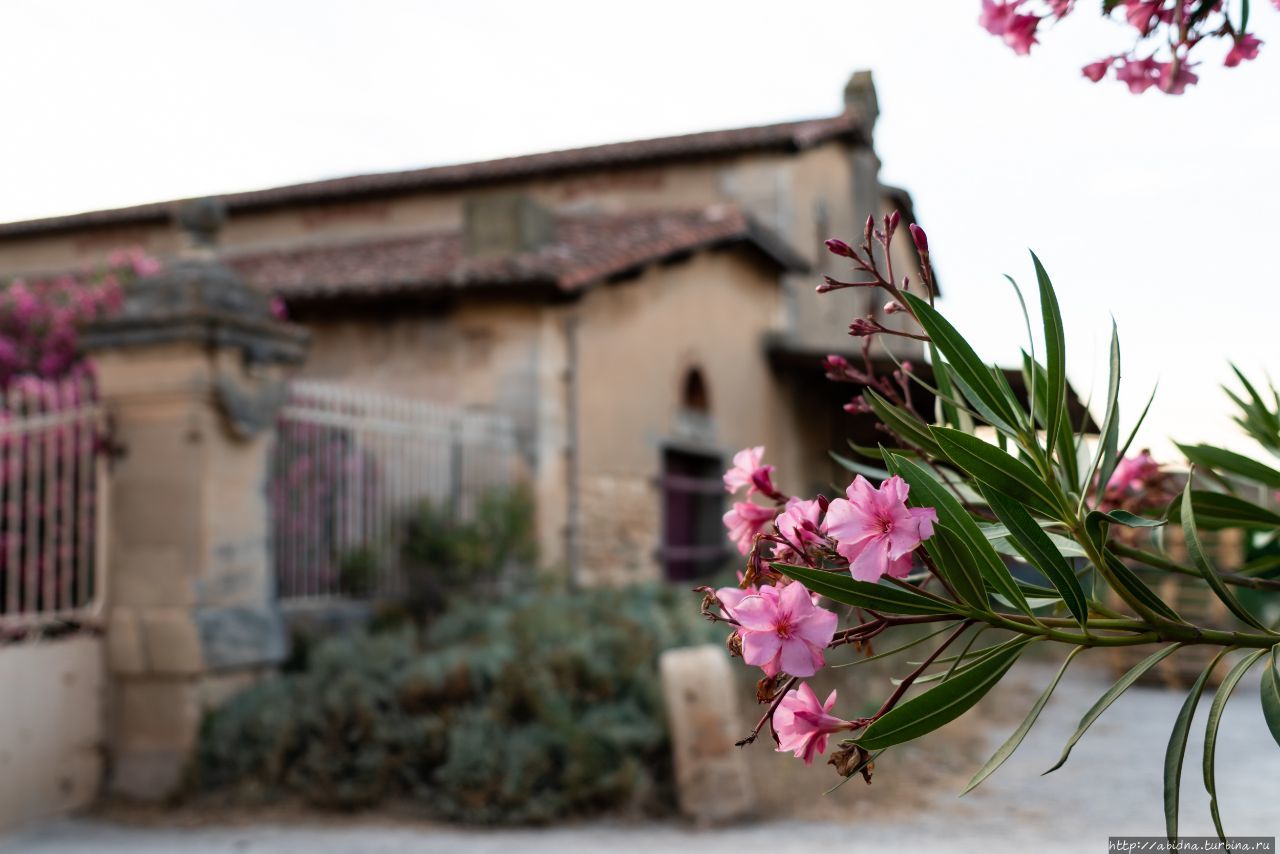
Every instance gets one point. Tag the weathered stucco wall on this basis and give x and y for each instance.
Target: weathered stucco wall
(481, 353)
(637, 342)
(51, 727)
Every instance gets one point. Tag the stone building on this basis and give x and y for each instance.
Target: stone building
(641, 309)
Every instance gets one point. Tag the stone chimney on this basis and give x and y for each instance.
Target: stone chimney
(498, 224)
(860, 98)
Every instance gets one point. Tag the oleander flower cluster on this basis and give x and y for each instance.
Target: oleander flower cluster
(40, 317)
(1164, 32)
(991, 514)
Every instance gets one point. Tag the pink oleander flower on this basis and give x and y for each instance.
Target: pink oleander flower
(1246, 47)
(875, 530)
(746, 520)
(747, 471)
(1138, 74)
(1095, 71)
(783, 631)
(1020, 34)
(730, 597)
(803, 725)
(1145, 14)
(800, 523)
(996, 15)
(1133, 473)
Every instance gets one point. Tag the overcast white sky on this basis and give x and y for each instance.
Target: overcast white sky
(1162, 211)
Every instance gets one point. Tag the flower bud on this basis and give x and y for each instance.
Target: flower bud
(839, 247)
(920, 239)
(868, 229)
(857, 406)
(891, 223)
(862, 327)
(835, 363)
(893, 307)
(908, 367)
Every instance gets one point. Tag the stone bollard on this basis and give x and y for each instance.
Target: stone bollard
(191, 374)
(713, 783)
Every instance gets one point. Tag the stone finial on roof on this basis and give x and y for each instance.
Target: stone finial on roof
(860, 98)
(200, 221)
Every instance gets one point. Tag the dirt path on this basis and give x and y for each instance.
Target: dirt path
(1111, 786)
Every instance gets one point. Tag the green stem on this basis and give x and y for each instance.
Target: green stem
(1160, 562)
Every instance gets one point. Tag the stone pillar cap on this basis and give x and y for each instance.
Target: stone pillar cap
(198, 298)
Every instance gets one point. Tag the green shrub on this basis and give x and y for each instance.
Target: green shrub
(523, 711)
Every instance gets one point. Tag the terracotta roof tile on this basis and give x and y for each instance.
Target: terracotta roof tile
(586, 250)
(793, 136)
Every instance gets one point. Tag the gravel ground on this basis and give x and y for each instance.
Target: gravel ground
(1111, 786)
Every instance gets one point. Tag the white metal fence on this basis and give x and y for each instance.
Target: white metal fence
(51, 496)
(349, 468)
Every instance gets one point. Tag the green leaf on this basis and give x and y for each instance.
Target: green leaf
(939, 706)
(1210, 575)
(1131, 584)
(1271, 696)
(1066, 439)
(1013, 741)
(1211, 732)
(946, 410)
(840, 587)
(1220, 459)
(1002, 472)
(927, 492)
(1036, 546)
(1107, 457)
(1121, 685)
(994, 393)
(1244, 16)
(957, 566)
(1055, 357)
(1177, 748)
(1217, 510)
(1096, 519)
(903, 424)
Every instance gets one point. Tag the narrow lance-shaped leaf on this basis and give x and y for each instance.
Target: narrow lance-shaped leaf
(1055, 356)
(1065, 442)
(1130, 584)
(927, 492)
(1036, 546)
(1105, 461)
(957, 566)
(1216, 510)
(1220, 459)
(1211, 732)
(1013, 741)
(1121, 685)
(1210, 575)
(999, 470)
(903, 424)
(1177, 748)
(993, 392)
(946, 410)
(941, 705)
(1271, 696)
(840, 587)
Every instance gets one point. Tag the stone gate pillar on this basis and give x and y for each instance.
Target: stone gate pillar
(191, 372)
